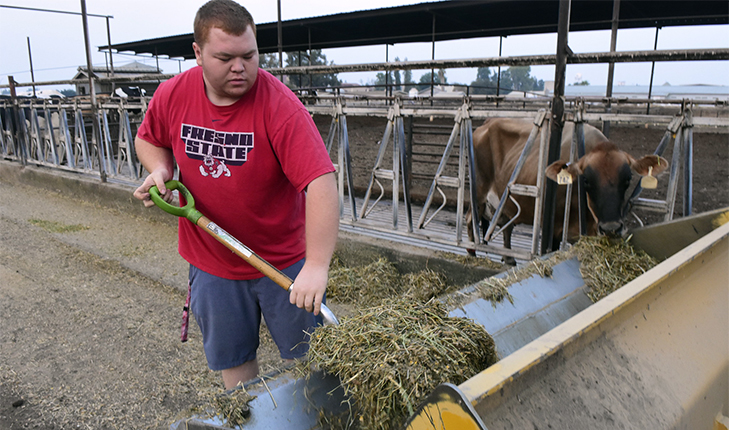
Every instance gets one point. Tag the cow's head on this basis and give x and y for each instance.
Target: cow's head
(607, 172)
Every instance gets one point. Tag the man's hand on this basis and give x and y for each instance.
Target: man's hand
(309, 287)
(158, 178)
(160, 162)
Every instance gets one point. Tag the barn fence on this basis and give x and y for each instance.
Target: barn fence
(58, 134)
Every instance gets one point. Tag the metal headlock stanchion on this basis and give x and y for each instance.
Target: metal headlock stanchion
(126, 144)
(463, 131)
(51, 135)
(394, 129)
(338, 129)
(80, 139)
(106, 147)
(577, 147)
(4, 136)
(680, 129)
(65, 136)
(520, 189)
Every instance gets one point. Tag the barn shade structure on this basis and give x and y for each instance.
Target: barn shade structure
(449, 20)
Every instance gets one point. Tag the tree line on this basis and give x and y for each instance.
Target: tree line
(488, 81)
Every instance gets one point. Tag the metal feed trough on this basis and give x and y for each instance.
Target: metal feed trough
(551, 328)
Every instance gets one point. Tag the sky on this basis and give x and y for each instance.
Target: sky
(57, 44)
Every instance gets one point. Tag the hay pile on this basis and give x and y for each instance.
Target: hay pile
(605, 265)
(608, 264)
(231, 407)
(369, 285)
(389, 357)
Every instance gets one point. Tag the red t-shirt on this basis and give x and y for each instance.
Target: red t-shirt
(246, 165)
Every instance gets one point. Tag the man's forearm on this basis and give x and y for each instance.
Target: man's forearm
(322, 220)
(154, 158)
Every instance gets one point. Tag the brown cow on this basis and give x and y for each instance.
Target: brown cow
(498, 143)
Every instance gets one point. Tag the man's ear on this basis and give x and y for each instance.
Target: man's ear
(570, 168)
(198, 53)
(657, 163)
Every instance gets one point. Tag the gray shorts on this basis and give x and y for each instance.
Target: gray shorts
(228, 313)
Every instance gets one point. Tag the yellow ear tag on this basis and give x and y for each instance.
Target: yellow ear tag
(649, 182)
(564, 177)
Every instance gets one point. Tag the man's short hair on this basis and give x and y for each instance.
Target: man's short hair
(227, 15)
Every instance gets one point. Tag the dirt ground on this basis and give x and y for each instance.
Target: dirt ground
(92, 298)
(89, 334)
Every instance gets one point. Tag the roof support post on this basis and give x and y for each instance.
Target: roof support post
(498, 72)
(557, 123)
(653, 68)
(108, 40)
(92, 92)
(30, 59)
(611, 65)
(432, 57)
(280, 39)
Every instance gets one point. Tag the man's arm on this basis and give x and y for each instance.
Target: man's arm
(160, 163)
(322, 229)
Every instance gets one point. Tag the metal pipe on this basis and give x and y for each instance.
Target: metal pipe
(30, 59)
(688, 147)
(611, 65)
(280, 37)
(54, 11)
(525, 60)
(653, 68)
(432, 57)
(92, 92)
(387, 74)
(108, 39)
(498, 76)
(555, 140)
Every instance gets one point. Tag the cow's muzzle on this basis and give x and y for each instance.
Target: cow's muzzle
(612, 228)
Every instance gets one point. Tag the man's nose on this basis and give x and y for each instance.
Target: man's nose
(237, 65)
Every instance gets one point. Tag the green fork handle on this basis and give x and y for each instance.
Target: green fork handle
(188, 211)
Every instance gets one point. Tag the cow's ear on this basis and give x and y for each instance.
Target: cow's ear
(571, 168)
(654, 164)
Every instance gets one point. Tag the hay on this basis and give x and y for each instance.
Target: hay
(57, 227)
(605, 265)
(371, 284)
(608, 264)
(391, 356)
(231, 406)
(471, 261)
(363, 284)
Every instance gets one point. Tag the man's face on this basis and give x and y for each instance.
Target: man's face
(230, 65)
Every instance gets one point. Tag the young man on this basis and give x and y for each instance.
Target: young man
(250, 154)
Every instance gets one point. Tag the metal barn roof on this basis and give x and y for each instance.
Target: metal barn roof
(454, 19)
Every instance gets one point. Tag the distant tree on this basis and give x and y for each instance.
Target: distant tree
(316, 58)
(383, 78)
(521, 80)
(485, 83)
(408, 79)
(516, 78)
(68, 92)
(268, 61)
(582, 83)
(439, 79)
